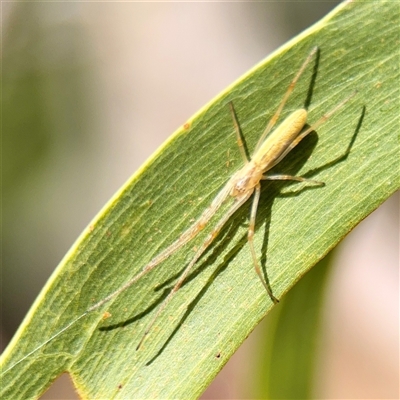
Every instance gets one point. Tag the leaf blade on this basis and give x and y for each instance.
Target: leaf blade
(127, 231)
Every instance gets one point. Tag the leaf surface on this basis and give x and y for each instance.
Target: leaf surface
(355, 153)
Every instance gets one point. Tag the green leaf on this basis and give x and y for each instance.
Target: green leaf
(287, 362)
(222, 300)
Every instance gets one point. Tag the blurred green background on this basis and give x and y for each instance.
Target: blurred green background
(90, 90)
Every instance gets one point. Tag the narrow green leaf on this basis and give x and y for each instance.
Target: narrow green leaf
(288, 362)
(222, 300)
